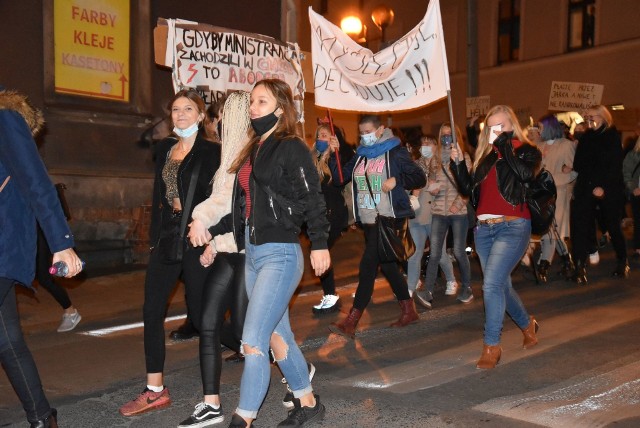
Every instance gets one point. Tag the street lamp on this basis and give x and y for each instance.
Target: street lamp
(382, 16)
(353, 27)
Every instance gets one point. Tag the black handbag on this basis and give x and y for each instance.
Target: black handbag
(541, 198)
(395, 243)
(172, 242)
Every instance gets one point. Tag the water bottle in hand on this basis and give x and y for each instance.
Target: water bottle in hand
(61, 269)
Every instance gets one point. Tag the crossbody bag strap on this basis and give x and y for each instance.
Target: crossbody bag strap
(6, 180)
(189, 201)
(366, 179)
(448, 177)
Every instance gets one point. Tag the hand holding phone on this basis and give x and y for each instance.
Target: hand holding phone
(494, 131)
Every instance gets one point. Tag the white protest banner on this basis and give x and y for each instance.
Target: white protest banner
(478, 106)
(574, 96)
(217, 60)
(410, 73)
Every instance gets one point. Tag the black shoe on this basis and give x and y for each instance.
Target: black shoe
(567, 267)
(184, 332)
(238, 422)
(579, 273)
(301, 415)
(236, 357)
(48, 422)
(543, 269)
(287, 401)
(622, 270)
(203, 416)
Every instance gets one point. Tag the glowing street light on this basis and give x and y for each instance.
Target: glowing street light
(353, 27)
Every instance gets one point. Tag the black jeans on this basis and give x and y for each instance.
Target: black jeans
(16, 359)
(224, 290)
(583, 212)
(159, 283)
(369, 269)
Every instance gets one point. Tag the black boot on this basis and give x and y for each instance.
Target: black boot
(543, 269)
(622, 269)
(567, 266)
(579, 273)
(48, 422)
(185, 331)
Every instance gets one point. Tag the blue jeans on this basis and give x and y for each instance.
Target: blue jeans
(272, 274)
(500, 247)
(439, 227)
(420, 233)
(16, 359)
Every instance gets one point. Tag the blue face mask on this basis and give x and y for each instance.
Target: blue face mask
(368, 139)
(321, 146)
(426, 151)
(447, 140)
(186, 133)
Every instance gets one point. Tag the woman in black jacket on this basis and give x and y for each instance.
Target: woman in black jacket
(177, 159)
(504, 161)
(598, 162)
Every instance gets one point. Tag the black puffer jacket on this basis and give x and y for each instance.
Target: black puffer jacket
(516, 167)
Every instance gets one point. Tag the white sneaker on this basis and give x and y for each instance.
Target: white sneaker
(594, 258)
(329, 303)
(69, 321)
(452, 288)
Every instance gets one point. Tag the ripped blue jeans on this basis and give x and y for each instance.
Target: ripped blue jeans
(272, 274)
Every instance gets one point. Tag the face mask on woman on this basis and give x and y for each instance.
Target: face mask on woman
(368, 139)
(186, 133)
(321, 146)
(263, 124)
(426, 151)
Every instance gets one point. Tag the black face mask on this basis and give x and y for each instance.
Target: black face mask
(263, 124)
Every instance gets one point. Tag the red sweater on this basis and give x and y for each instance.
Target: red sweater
(243, 179)
(492, 202)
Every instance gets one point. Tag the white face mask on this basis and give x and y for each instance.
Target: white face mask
(186, 133)
(426, 151)
(368, 139)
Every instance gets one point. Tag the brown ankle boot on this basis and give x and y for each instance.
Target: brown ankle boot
(347, 327)
(529, 334)
(408, 314)
(490, 357)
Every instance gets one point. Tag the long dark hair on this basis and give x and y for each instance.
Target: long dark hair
(286, 126)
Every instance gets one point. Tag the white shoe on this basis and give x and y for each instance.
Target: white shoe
(452, 288)
(329, 303)
(69, 321)
(594, 258)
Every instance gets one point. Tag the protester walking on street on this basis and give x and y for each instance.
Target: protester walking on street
(219, 223)
(449, 211)
(381, 173)
(185, 167)
(282, 190)
(420, 225)
(598, 162)
(337, 212)
(27, 197)
(631, 173)
(504, 160)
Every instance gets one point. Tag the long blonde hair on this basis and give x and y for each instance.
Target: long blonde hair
(484, 148)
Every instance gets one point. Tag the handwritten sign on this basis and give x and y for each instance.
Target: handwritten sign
(573, 96)
(478, 106)
(410, 73)
(217, 60)
(92, 48)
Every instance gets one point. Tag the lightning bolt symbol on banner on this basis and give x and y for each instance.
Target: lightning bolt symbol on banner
(192, 68)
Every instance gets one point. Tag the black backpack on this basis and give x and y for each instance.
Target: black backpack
(540, 194)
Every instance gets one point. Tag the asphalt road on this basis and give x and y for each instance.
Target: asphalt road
(585, 372)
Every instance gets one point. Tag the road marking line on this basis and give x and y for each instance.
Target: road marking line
(109, 330)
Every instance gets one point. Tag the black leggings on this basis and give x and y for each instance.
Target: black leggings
(369, 269)
(159, 283)
(224, 289)
(327, 279)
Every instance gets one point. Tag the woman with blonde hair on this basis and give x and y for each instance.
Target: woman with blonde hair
(505, 159)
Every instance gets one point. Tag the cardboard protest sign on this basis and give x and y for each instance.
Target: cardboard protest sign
(478, 105)
(217, 60)
(410, 73)
(573, 96)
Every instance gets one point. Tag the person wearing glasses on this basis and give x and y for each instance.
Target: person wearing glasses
(598, 162)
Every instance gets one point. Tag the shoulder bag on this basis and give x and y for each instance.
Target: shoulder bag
(471, 213)
(395, 243)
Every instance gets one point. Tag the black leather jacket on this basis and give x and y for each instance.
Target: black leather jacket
(516, 167)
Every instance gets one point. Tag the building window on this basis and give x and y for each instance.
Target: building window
(582, 24)
(508, 31)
